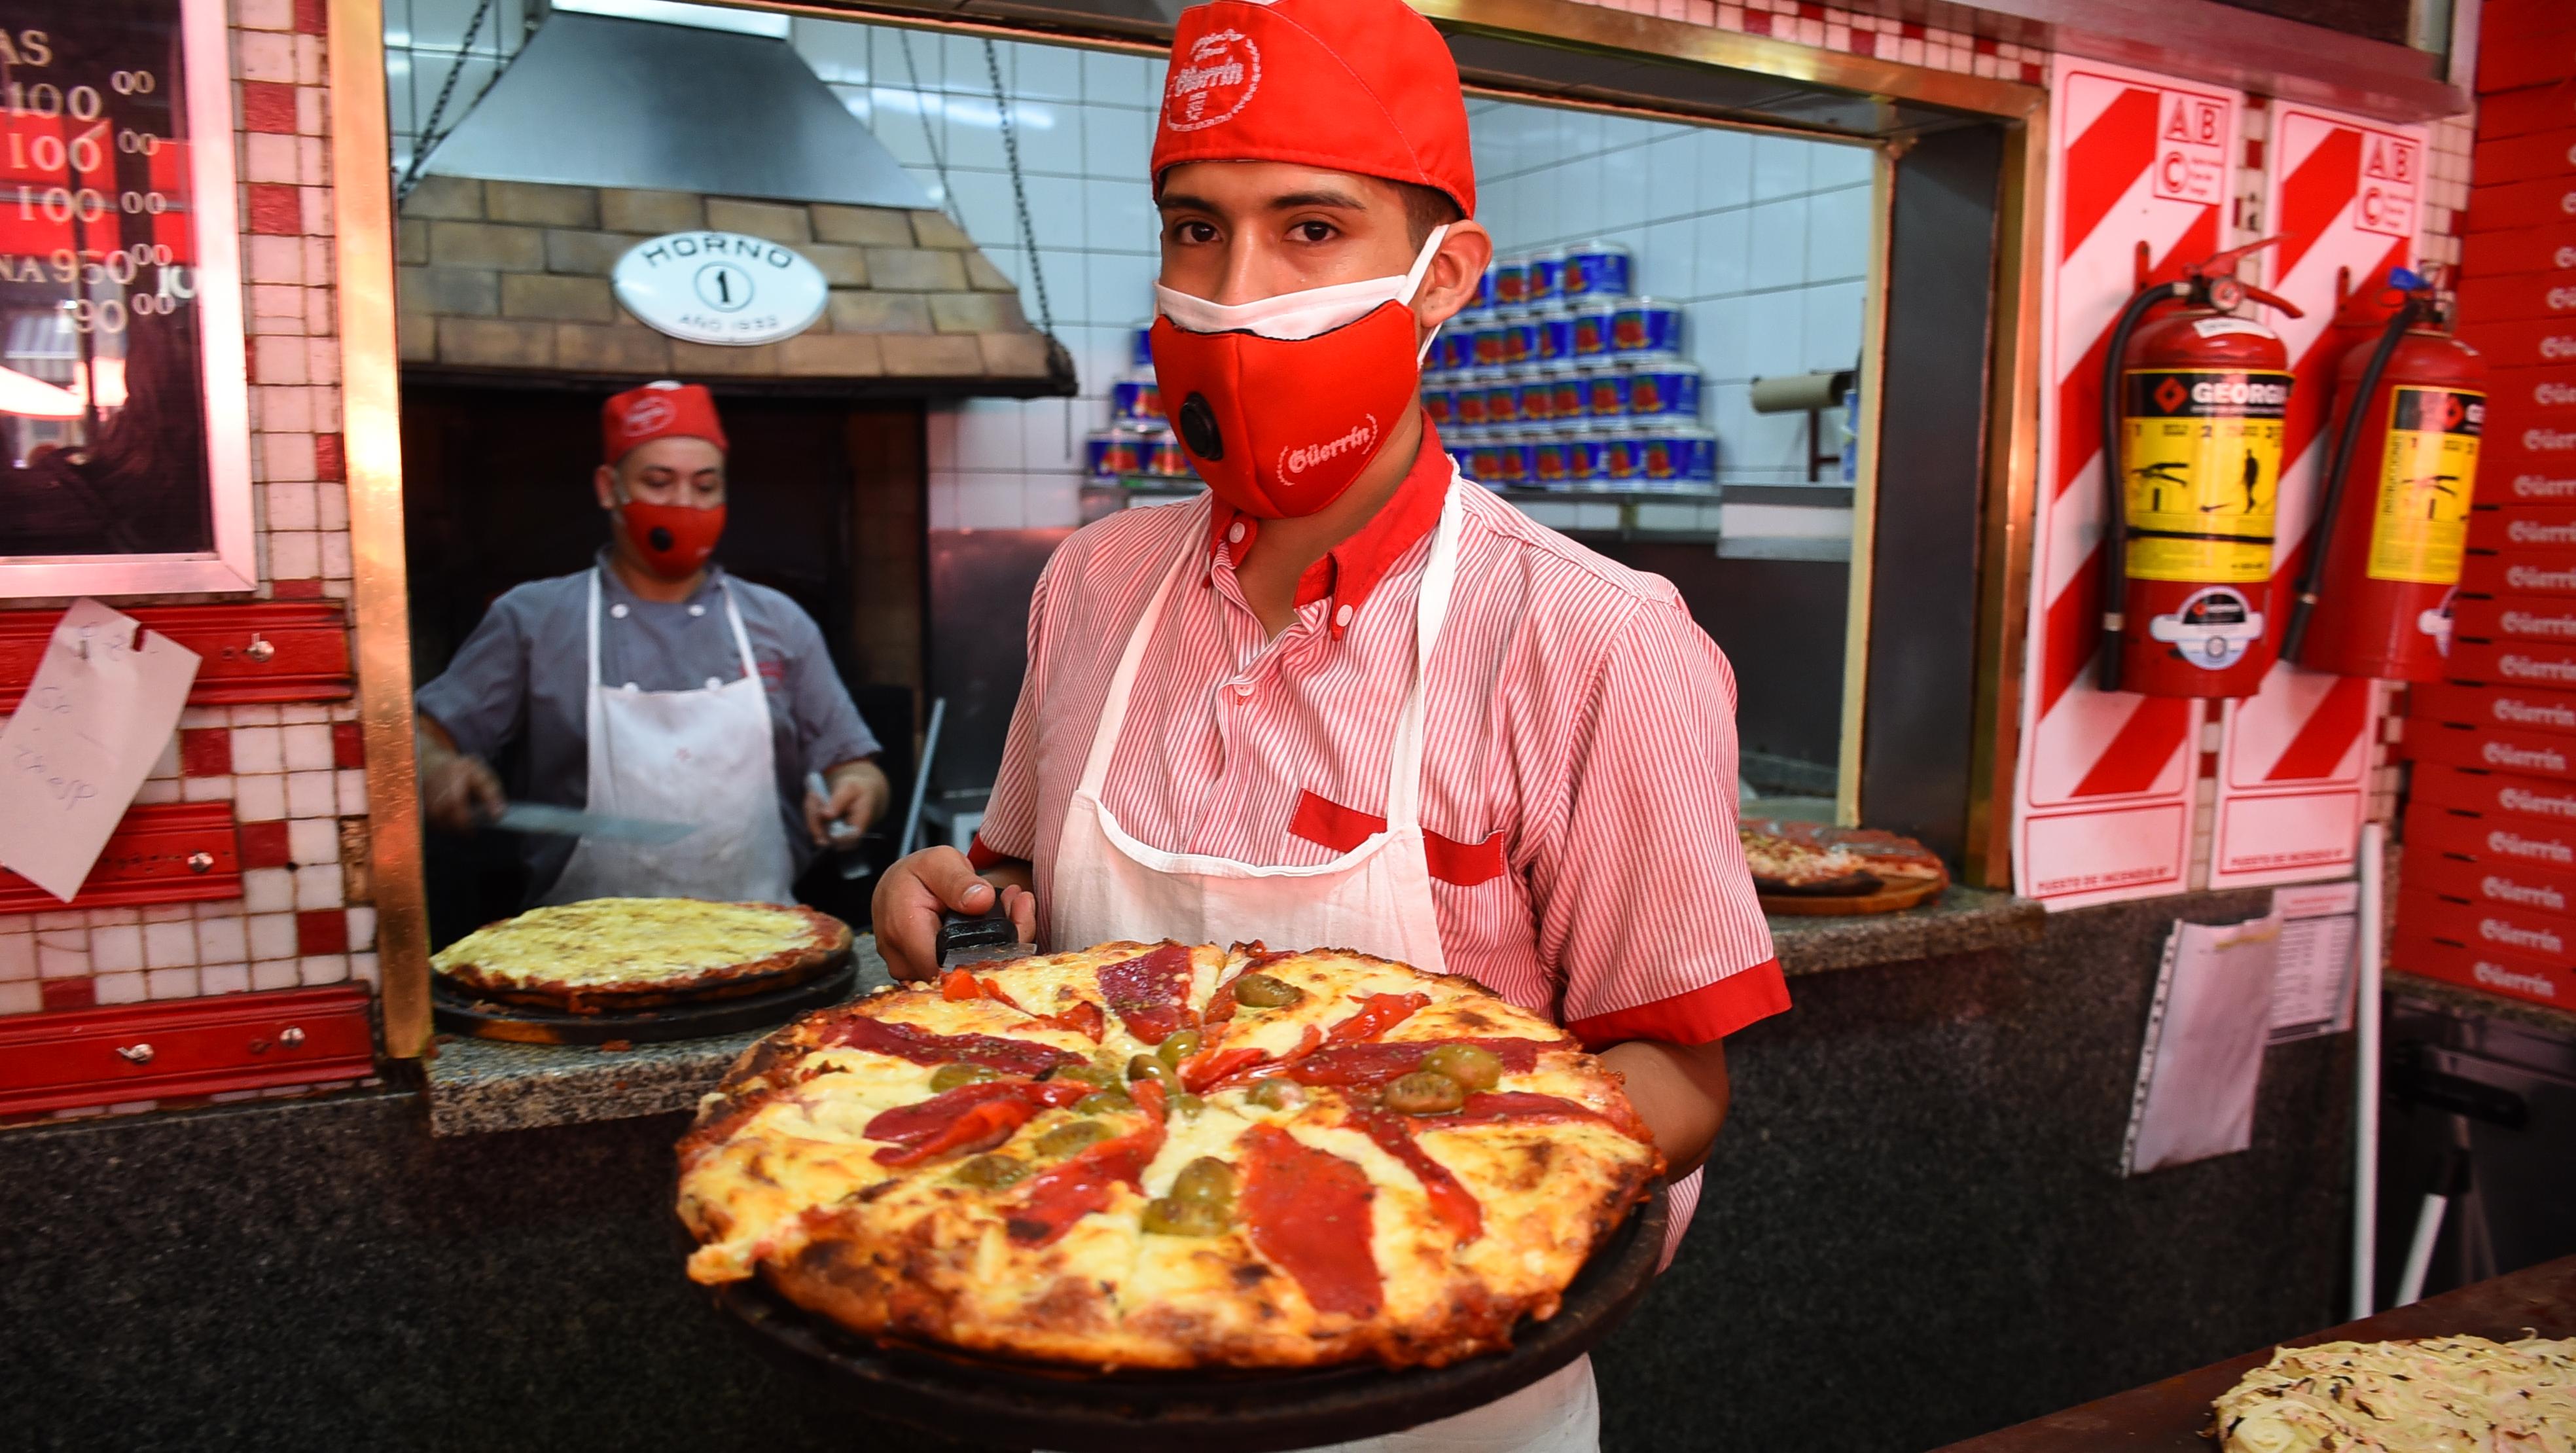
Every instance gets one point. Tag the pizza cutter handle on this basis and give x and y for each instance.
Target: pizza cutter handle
(972, 936)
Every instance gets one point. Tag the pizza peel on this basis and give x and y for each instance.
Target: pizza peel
(1021, 1405)
(456, 1009)
(553, 821)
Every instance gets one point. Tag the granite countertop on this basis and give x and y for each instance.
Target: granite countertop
(478, 1085)
(475, 1085)
(1961, 920)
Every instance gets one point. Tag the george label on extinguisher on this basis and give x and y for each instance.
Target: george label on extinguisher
(2203, 454)
(2425, 477)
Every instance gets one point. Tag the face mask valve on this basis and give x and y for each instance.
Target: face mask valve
(1284, 401)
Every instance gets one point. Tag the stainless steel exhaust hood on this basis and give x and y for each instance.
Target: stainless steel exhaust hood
(594, 101)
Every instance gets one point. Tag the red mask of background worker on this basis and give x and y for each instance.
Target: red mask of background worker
(1280, 403)
(675, 540)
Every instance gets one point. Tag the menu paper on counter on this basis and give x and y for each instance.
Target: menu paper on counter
(99, 713)
(2204, 1047)
(2312, 977)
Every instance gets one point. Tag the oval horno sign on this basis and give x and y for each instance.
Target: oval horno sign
(720, 287)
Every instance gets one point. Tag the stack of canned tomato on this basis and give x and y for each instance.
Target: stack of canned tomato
(1138, 445)
(1559, 376)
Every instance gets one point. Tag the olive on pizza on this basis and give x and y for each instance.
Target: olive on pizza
(1159, 1155)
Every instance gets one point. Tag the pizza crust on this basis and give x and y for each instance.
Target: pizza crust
(613, 954)
(779, 1180)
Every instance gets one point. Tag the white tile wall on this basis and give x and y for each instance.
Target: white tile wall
(1764, 240)
(1720, 219)
(426, 42)
(1084, 121)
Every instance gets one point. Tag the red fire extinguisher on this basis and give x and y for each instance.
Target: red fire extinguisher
(2375, 597)
(2192, 412)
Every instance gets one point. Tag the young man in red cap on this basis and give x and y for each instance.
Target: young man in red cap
(654, 686)
(1347, 699)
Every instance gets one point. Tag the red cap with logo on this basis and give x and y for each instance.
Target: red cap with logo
(1363, 86)
(658, 410)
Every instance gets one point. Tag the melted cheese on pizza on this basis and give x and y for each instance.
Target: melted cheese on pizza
(783, 1176)
(1796, 863)
(627, 940)
(2438, 1395)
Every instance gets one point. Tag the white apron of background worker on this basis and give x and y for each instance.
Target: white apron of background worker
(1374, 899)
(702, 756)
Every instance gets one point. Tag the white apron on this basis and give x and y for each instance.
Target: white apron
(1375, 899)
(700, 756)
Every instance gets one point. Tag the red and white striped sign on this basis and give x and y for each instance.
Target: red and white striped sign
(2345, 197)
(2105, 787)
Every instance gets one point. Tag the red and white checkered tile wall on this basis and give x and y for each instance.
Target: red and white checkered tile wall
(1904, 41)
(292, 771)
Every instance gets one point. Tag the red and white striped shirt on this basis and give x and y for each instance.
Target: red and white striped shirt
(1579, 772)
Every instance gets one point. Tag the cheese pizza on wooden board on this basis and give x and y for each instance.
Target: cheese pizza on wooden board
(2429, 1395)
(606, 954)
(1157, 1155)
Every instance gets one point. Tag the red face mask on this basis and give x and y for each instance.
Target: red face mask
(675, 540)
(1281, 403)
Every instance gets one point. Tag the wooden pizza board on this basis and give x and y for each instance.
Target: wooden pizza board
(458, 1010)
(1822, 905)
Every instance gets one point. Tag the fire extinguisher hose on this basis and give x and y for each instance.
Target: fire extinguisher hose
(2321, 533)
(2115, 501)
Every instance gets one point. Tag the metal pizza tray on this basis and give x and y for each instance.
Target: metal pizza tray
(459, 1010)
(1019, 1404)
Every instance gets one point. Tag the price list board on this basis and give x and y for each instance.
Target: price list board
(123, 408)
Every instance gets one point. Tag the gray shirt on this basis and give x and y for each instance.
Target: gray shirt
(519, 677)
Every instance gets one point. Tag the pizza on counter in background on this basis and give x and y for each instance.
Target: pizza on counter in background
(613, 954)
(2433, 1395)
(1159, 1155)
(1796, 860)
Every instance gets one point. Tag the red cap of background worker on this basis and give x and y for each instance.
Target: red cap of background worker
(1363, 86)
(657, 411)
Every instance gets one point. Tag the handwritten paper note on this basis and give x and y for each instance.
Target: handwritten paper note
(97, 716)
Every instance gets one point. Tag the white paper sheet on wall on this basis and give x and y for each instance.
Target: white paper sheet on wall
(2203, 1055)
(2312, 980)
(105, 699)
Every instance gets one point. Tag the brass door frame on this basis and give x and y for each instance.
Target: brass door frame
(370, 419)
(364, 224)
(2011, 503)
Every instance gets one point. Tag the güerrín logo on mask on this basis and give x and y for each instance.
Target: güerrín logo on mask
(1297, 460)
(1223, 71)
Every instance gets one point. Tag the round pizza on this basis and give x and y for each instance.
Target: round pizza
(1157, 1155)
(1799, 859)
(2427, 1395)
(633, 953)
